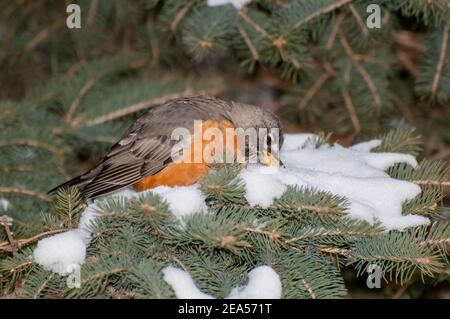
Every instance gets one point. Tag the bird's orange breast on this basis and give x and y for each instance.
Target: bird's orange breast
(188, 170)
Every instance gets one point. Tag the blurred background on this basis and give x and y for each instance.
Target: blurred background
(71, 82)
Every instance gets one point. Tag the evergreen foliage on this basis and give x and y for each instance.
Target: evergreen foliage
(305, 236)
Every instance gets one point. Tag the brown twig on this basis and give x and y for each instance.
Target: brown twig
(312, 208)
(121, 293)
(361, 70)
(358, 19)
(39, 290)
(5, 246)
(401, 291)
(294, 61)
(405, 60)
(180, 15)
(134, 108)
(334, 31)
(153, 39)
(248, 42)
(348, 253)
(349, 102)
(312, 91)
(273, 234)
(408, 40)
(6, 222)
(403, 107)
(33, 143)
(257, 27)
(25, 263)
(435, 242)
(324, 10)
(103, 274)
(310, 291)
(351, 110)
(442, 58)
(431, 182)
(74, 105)
(72, 71)
(335, 250)
(440, 155)
(25, 191)
(333, 233)
(43, 34)
(91, 12)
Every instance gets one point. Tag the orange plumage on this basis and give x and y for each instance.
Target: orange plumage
(182, 173)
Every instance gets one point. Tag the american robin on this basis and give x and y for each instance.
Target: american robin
(144, 157)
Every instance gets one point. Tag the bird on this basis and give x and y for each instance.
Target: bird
(143, 158)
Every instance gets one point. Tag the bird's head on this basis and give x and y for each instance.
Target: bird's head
(269, 133)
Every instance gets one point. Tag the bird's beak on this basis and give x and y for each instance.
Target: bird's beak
(270, 160)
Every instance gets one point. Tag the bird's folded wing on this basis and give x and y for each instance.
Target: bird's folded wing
(127, 163)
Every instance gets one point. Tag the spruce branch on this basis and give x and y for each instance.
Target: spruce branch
(129, 109)
(359, 20)
(349, 102)
(325, 7)
(42, 286)
(428, 173)
(296, 200)
(400, 140)
(425, 203)
(68, 206)
(441, 61)
(243, 14)
(363, 72)
(181, 14)
(335, 31)
(76, 102)
(6, 222)
(314, 89)
(44, 34)
(33, 143)
(347, 229)
(92, 12)
(249, 43)
(433, 76)
(24, 191)
(6, 246)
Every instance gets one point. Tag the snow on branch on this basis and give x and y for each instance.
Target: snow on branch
(355, 174)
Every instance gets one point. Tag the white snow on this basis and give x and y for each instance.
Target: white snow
(366, 146)
(87, 220)
(61, 252)
(182, 284)
(354, 173)
(263, 282)
(51, 252)
(238, 4)
(4, 204)
(260, 186)
(298, 141)
(182, 200)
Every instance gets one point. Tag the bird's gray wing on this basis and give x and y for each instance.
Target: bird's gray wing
(127, 163)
